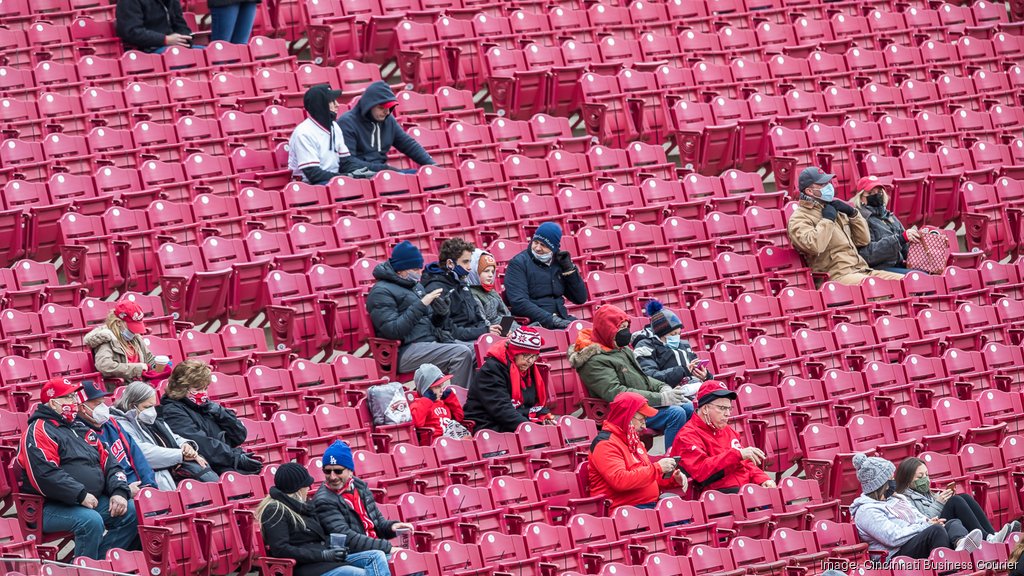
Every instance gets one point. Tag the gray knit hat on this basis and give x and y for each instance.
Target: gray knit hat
(872, 472)
(426, 376)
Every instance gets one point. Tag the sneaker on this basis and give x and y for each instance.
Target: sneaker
(1006, 530)
(971, 542)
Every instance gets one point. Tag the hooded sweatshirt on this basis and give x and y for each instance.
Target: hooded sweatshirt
(316, 149)
(886, 524)
(434, 413)
(369, 140)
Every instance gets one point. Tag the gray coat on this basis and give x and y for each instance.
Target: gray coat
(110, 358)
(160, 458)
(926, 505)
(338, 517)
(887, 248)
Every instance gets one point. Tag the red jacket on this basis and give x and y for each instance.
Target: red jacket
(435, 414)
(712, 457)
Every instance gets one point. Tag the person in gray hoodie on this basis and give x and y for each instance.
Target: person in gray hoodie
(371, 130)
(889, 523)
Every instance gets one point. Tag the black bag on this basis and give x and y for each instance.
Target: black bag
(189, 470)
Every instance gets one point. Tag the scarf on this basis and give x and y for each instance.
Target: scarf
(350, 495)
(517, 379)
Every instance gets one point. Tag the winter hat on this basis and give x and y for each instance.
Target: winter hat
(291, 477)
(131, 314)
(712, 390)
(427, 376)
(663, 320)
(524, 340)
(338, 454)
(872, 472)
(479, 262)
(317, 102)
(406, 256)
(550, 235)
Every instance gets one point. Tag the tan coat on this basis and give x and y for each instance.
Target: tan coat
(830, 247)
(110, 358)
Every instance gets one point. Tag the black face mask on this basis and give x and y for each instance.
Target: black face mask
(875, 200)
(622, 337)
(890, 488)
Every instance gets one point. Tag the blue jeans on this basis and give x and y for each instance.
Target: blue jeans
(898, 270)
(88, 524)
(233, 23)
(373, 562)
(345, 571)
(669, 420)
(163, 49)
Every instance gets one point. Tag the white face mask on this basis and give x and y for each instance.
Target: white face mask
(101, 414)
(148, 416)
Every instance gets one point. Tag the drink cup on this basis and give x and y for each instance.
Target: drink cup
(160, 362)
(338, 540)
(404, 536)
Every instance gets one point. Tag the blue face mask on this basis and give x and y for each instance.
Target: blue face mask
(127, 334)
(672, 342)
(544, 258)
(828, 193)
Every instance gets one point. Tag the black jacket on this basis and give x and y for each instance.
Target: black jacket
(397, 311)
(63, 462)
(286, 539)
(536, 291)
(216, 430)
(887, 248)
(661, 362)
(369, 141)
(144, 24)
(457, 305)
(489, 401)
(338, 517)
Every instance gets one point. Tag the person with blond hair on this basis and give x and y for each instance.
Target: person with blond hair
(118, 349)
(186, 407)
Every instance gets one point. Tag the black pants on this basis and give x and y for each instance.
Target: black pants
(964, 508)
(932, 537)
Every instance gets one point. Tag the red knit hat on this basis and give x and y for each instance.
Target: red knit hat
(524, 340)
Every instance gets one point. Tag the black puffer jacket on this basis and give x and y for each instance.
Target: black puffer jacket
(663, 363)
(489, 402)
(537, 291)
(338, 517)
(286, 539)
(887, 248)
(144, 24)
(456, 305)
(216, 430)
(397, 311)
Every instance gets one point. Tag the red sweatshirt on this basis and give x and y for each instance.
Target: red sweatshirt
(708, 454)
(435, 414)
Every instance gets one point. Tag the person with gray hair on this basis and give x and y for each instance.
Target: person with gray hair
(168, 453)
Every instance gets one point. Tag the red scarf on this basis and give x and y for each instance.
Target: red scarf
(351, 495)
(517, 379)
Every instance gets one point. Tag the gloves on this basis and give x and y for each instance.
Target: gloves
(540, 414)
(565, 261)
(845, 208)
(559, 323)
(672, 396)
(829, 211)
(154, 375)
(334, 555)
(243, 463)
(429, 395)
(447, 392)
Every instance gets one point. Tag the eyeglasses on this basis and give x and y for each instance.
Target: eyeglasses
(531, 357)
(722, 409)
(334, 471)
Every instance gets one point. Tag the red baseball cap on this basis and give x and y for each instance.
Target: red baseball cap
(868, 182)
(57, 387)
(711, 390)
(389, 104)
(132, 315)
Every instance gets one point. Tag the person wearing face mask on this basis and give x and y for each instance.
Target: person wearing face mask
(711, 452)
(188, 411)
(316, 149)
(887, 249)
(85, 490)
(94, 414)
(166, 452)
(118, 348)
(541, 278)
(401, 309)
(462, 318)
(370, 130)
(482, 280)
(829, 232)
(913, 482)
(607, 367)
(888, 522)
(508, 389)
(664, 355)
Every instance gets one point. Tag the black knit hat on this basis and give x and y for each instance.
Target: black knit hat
(291, 477)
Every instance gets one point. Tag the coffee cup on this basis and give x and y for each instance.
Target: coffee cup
(160, 362)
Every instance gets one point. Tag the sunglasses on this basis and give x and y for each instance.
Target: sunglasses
(335, 471)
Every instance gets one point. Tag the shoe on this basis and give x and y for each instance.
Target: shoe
(1006, 530)
(971, 542)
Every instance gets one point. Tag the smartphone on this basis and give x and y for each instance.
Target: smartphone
(506, 324)
(701, 363)
(669, 475)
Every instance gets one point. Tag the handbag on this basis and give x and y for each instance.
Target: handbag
(930, 254)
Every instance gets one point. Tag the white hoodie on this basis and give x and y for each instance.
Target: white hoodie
(887, 524)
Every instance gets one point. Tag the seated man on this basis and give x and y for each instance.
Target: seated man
(371, 130)
(456, 304)
(540, 278)
(152, 25)
(316, 149)
(400, 309)
(709, 450)
(84, 489)
(607, 367)
(94, 413)
(828, 232)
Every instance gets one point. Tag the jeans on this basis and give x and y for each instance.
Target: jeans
(669, 420)
(88, 524)
(965, 509)
(345, 571)
(163, 49)
(373, 562)
(233, 23)
(932, 537)
(899, 270)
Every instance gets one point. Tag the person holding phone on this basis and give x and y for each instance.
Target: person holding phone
(456, 305)
(509, 389)
(913, 482)
(483, 282)
(664, 355)
(152, 25)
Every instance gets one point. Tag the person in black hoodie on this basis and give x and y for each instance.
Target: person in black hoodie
(456, 304)
(371, 130)
(189, 412)
(316, 149)
(152, 25)
(84, 488)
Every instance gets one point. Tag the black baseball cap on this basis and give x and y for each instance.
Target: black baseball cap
(814, 175)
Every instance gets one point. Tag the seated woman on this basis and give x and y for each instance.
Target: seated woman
(889, 523)
(913, 482)
(168, 454)
(291, 528)
(664, 355)
(887, 249)
(481, 280)
(508, 389)
(118, 349)
(619, 468)
(189, 412)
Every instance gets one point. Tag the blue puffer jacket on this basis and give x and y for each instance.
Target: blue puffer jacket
(536, 291)
(126, 452)
(369, 141)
